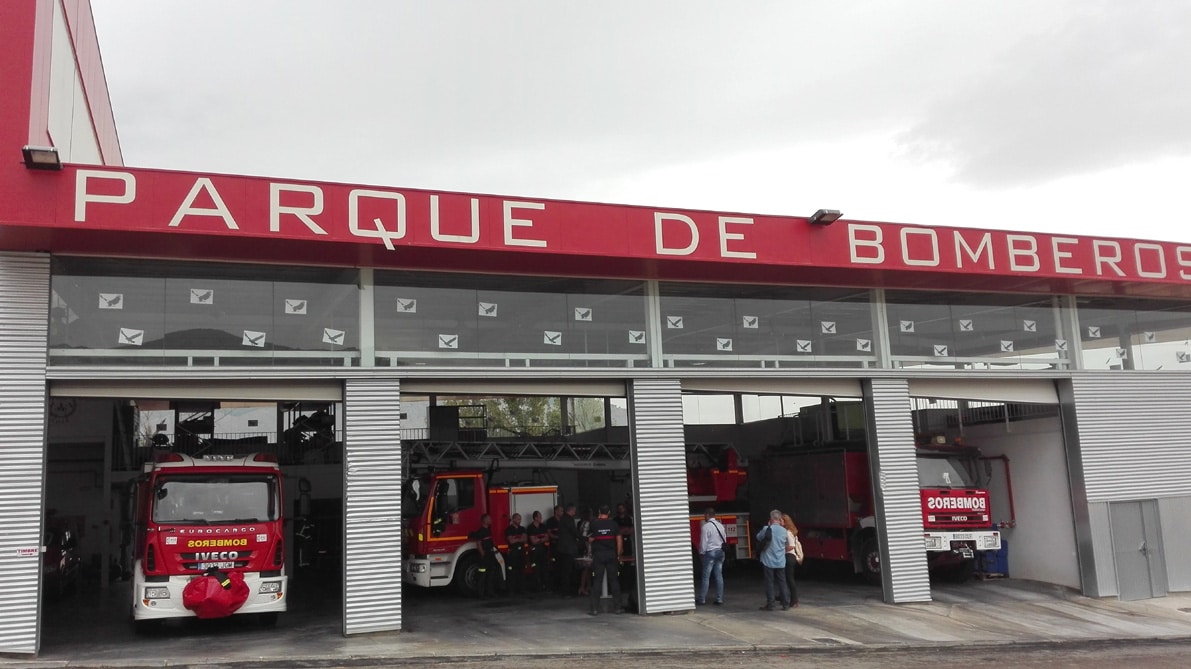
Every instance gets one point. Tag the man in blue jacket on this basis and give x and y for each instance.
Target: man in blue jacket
(774, 537)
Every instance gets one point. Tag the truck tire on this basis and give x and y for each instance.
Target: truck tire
(467, 575)
(870, 560)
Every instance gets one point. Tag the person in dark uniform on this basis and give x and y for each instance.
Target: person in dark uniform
(491, 564)
(624, 519)
(606, 546)
(566, 549)
(552, 529)
(538, 541)
(517, 540)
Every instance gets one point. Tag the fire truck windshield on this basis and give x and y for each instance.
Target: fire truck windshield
(204, 500)
(943, 472)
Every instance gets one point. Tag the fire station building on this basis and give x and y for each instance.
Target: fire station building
(183, 287)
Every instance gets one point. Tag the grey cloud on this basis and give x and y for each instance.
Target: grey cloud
(1109, 87)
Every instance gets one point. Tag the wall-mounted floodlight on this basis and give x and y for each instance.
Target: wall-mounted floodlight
(825, 217)
(41, 158)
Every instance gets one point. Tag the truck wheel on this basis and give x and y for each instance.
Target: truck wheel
(870, 560)
(467, 576)
(267, 619)
(147, 627)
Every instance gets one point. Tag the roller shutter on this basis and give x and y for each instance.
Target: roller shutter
(24, 303)
(372, 506)
(1133, 429)
(659, 475)
(814, 387)
(895, 491)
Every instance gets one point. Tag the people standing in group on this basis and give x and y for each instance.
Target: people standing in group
(774, 537)
(517, 540)
(713, 542)
(552, 529)
(584, 557)
(491, 563)
(566, 549)
(606, 547)
(793, 556)
(539, 557)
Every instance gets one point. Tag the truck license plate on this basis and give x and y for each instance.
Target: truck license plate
(961, 536)
(204, 566)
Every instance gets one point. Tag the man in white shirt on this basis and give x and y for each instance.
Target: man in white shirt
(712, 544)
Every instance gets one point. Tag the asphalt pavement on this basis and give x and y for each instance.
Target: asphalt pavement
(91, 629)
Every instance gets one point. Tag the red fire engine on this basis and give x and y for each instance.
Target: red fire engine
(829, 493)
(441, 511)
(718, 485)
(209, 538)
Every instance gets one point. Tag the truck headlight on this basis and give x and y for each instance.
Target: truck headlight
(269, 586)
(417, 569)
(934, 543)
(157, 593)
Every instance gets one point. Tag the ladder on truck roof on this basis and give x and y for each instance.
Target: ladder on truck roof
(536, 454)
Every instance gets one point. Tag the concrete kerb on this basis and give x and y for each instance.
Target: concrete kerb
(384, 660)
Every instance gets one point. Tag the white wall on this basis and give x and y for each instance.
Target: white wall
(70, 123)
(1042, 545)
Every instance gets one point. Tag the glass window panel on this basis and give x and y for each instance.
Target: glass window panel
(968, 330)
(1134, 334)
(461, 319)
(765, 326)
(106, 311)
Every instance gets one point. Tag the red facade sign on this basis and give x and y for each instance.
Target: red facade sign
(234, 217)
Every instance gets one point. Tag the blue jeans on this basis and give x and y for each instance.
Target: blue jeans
(713, 565)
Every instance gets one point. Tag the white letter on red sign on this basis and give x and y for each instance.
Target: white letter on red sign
(1102, 260)
(1161, 273)
(661, 247)
(725, 236)
(303, 213)
(1183, 253)
(854, 243)
(1060, 255)
(82, 197)
(984, 247)
(510, 240)
(1030, 252)
(187, 208)
(934, 247)
(378, 231)
(460, 239)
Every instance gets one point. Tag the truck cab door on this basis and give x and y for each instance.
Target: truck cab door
(457, 506)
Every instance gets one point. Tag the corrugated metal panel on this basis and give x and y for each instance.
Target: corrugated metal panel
(372, 506)
(24, 318)
(659, 475)
(1133, 430)
(895, 482)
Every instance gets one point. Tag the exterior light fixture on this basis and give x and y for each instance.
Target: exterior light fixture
(41, 158)
(825, 217)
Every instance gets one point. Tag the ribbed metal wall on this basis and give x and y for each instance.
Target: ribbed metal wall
(1133, 429)
(659, 476)
(372, 506)
(898, 504)
(24, 317)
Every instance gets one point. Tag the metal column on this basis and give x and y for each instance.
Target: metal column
(372, 506)
(659, 481)
(897, 503)
(24, 315)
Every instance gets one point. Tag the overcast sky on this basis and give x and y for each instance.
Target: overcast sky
(1066, 116)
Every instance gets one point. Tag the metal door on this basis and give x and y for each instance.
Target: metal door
(1137, 549)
